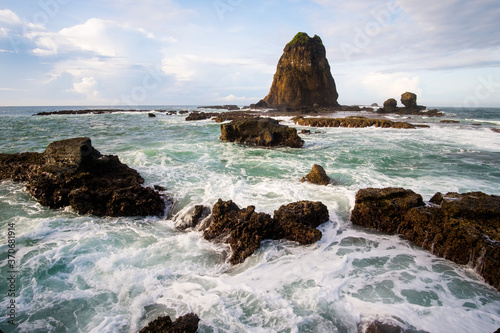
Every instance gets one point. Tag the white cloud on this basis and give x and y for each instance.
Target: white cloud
(391, 85)
(87, 87)
(7, 16)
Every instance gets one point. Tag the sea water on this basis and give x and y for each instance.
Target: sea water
(79, 273)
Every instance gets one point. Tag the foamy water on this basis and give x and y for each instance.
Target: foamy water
(89, 274)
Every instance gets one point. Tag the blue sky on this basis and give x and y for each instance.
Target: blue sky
(169, 52)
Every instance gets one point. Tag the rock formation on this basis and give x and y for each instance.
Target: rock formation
(353, 121)
(184, 324)
(244, 229)
(73, 173)
(265, 132)
(464, 228)
(317, 176)
(409, 100)
(303, 76)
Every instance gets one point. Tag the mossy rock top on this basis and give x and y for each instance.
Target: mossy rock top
(302, 38)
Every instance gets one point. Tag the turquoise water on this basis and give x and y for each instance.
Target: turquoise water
(88, 274)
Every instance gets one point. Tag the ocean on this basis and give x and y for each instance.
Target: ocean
(76, 273)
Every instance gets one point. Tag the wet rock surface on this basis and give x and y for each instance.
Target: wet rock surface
(73, 173)
(265, 132)
(354, 121)
(244, 229)
(317, 176)
(184, 324)
(463, 228)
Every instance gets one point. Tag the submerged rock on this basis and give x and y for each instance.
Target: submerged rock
(354, 121)
(244, 229)
(184, 324)
(463, 228)
(73, 173)
(317, 176)
(303, 76)
(265, 132)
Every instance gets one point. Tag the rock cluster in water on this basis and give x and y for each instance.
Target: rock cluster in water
(409, 100)
(184, 324)
(317, 175)
(73, 173)
(464, 228)
(244, 229)
(265, 132)
(303, 76)
(354, 121)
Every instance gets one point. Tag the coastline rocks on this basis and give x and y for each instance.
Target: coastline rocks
(265, 132)
(197, 218)
(73, 173)
(390, 105)
(409, 100)
(353, 121)
(463, 228)
(317, 176)
(184, 324)
(303, 76)
(244, 229)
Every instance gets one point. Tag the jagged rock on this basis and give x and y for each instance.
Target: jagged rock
(198, 218)
(73, 173)
(184, 324)
(409, 100)
(303, 76)
(463, 228)
(378, 327)
(244, 229)
(317, 176)
(261, 132)
(354, 121)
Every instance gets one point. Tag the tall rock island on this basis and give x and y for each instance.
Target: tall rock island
(303, 76)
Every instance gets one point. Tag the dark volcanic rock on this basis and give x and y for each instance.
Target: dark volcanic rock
(184, 324)
(303, 76)
(464, 228)
(378, 327)
(73, 173)
(354, 121)
(195, 115)
(244, 229)
(317, 176)
(261, 132)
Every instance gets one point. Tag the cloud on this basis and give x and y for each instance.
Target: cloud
(87, 87)
(7, 16)
(391, 85)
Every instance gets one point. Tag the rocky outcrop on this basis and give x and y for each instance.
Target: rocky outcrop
(303, 76)
(184, 324)
(73, 173)
(317, 176)
(354, 121)
(195, 115)
(409, 100)
(391, 105)
(244, 229)
(265, 132)
(464, 228)
(221, 107)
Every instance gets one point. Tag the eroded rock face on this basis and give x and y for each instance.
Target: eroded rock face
(317, 176)
(73, 173)
(184, 324)
(303, 76)
(464, 228)
(409, 100)
(244, 229)
(265, 132)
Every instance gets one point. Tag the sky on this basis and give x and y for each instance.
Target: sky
(205, 52)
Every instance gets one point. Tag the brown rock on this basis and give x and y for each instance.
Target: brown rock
(184, 324)
(303, 76)
(261, 132)
(409, 100)
(73, 173)
(354, 121)
(317, 176)
(378, 327)
(244, 229)
(463, 228)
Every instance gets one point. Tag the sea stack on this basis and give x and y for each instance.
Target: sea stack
(303, 76)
